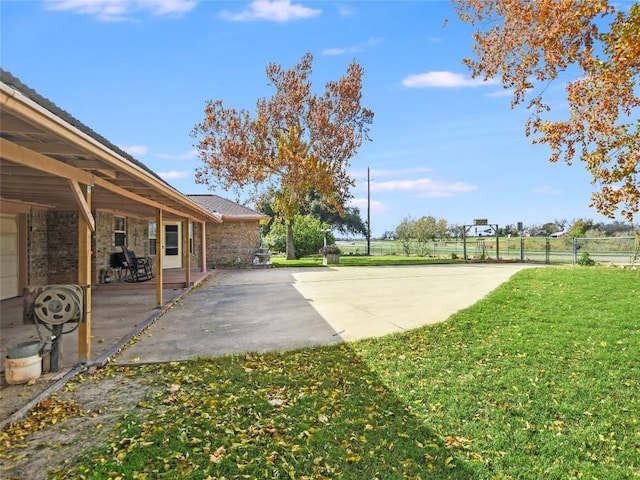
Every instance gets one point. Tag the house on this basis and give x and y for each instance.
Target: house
(70, 199)
(234, 240)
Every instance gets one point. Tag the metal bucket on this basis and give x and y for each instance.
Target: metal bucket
(24, 349)
(22, 370)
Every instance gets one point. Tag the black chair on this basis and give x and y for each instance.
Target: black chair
(137, 269)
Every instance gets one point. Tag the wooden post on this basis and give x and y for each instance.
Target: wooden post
(203, 247)
(159, 254)
(186, 256)
(84, 278)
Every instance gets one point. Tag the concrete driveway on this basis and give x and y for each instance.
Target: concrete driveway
(278, 309)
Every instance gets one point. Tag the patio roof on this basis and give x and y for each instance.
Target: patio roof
(46, 153)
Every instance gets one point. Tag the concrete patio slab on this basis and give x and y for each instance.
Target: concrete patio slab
(280, 309)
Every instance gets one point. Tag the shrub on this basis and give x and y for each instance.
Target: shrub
(585, 260)
(308, 236)
(329, 249)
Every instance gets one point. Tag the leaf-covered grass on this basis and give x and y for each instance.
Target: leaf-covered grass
(361, 261)
(541, 379)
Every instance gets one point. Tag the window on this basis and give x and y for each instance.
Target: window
(172, 240)
(191, 238)
(152, 238)
(120, 231)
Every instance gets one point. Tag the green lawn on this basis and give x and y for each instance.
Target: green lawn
(540, 380)
(360, 261)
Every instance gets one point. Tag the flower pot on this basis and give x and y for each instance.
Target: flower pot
(331, 259)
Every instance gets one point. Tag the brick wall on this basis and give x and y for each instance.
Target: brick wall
(37, 261)
(138, 236)
(53, 245)
(62, 247)
(196, 258)
(232, 244)
(104, 245)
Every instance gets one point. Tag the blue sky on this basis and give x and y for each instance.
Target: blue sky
(139, 73)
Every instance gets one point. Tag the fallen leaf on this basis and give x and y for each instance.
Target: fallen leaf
(218, 455)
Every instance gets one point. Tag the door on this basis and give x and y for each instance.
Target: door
(172, 245)
(9, 256)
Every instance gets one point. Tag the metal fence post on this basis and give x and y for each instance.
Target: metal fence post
(547, 251)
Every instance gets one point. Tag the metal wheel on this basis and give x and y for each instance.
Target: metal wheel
(57, 305)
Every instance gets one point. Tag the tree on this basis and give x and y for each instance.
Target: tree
(424, 231)
(580, 226)
(550, 228)
(404, 233)
(531, 43)
(456, 231)
(297, 141)
(309, 234)
(346, 221)
(349, 221)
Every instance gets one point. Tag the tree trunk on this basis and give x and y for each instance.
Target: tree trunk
(291, 250)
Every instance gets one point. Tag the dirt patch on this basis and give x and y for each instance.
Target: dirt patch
(89, 406)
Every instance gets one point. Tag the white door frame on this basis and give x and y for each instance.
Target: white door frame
(172, 254)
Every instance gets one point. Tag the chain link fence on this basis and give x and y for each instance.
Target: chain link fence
(624, 251)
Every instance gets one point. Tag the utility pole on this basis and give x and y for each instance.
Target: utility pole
(368, 212)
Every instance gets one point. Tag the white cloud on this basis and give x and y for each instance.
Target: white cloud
(180, 156)
(334, 51)
(376, 206)
(121, 10)
(424, 187)
(271, 10)
(135, 150)
(377, 173)
(346, 10)
(372, 42)
(402, 171)
(505, 92)
(174, 175)
(444, 79)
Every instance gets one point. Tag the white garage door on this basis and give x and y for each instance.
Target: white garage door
(8, 256)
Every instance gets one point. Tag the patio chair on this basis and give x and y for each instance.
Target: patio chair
(137, 269)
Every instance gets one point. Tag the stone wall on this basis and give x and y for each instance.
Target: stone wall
(232, 244)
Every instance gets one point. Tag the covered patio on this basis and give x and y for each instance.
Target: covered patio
(57, 177)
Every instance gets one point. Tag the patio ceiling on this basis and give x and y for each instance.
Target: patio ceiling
(46, 156)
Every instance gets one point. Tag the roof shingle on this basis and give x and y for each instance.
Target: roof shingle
(226, 208)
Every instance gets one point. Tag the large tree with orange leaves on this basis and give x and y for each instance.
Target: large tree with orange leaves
(528, 43)
(297, 141)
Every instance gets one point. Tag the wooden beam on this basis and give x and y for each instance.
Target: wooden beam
(105, 172)
(84, 278)
(159, 260)
(42, 163)
(51, 148)
(203, 247)
(186, 256)
(82, 205)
